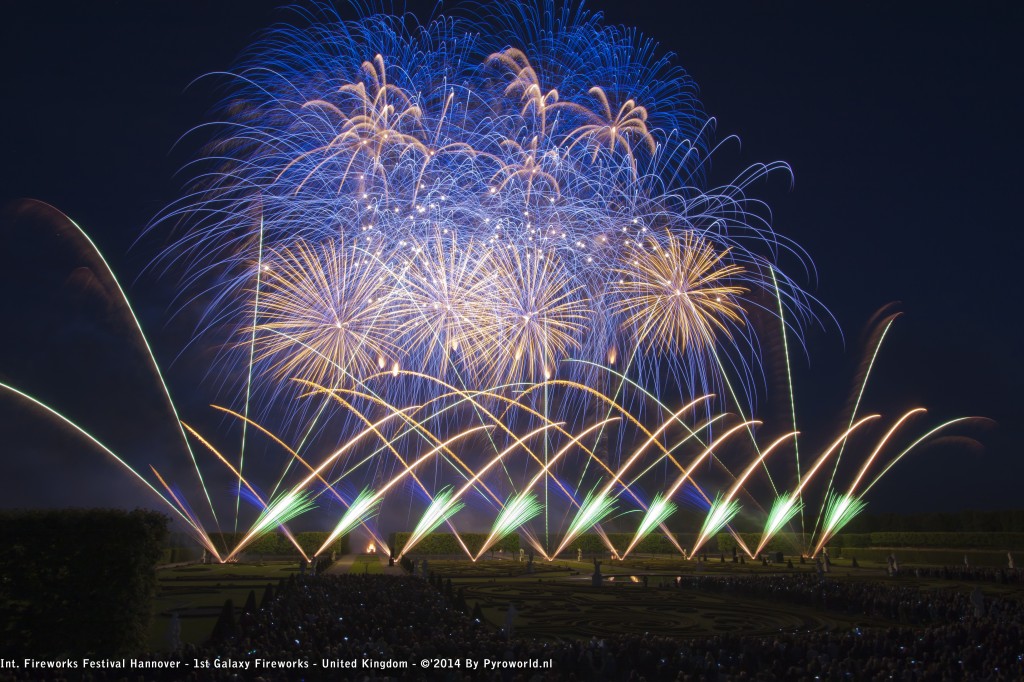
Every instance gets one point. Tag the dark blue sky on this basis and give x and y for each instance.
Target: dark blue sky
(902, 126)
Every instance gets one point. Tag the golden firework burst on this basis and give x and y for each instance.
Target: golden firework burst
(323, 313)
(536, 316)
(675, 293)
(442, 295)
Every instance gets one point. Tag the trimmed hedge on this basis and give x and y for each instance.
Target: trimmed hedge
(590, 543)
(311, 541)
(970, 521)
(923, 557)
(77, 582)
(654, 543)
(276, 544)
(788, 543)
(445, 543)
(996, 541)
(178, 555)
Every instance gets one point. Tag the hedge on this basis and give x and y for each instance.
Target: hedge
(927, 557)
(997, 541)
(788, 543)
(970, 521)
(445, 543)
(791, 542)
(590, 543)
(77, 582)
(180, 555)
(654, 543)
(278, 544)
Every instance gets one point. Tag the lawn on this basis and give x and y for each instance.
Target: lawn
(197, 593)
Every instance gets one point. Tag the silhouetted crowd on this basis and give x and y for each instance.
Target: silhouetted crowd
(934, 635)
(874, 599)
(1003, 576)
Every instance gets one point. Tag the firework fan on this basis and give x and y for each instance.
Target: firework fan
(477, 201)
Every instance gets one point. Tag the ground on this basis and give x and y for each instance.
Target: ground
(556, 600)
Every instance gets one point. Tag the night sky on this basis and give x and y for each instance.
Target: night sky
(902, 127)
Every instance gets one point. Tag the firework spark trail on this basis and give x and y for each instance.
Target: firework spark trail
(500, 422)
(179, 510)
(524, 506)
(661, 508)
(651, 439)
(599, 500)
(839, 511)
(283, 510)
(409, 467)
(108, 273)
(692, 431)
(721, 512)
(692, 435)
(295, 456)
(248, 376)
(471, 397)
(687, 472)
(204, 540)
(387, 442)
(519, 442)
(592, 511)
(373, 397)
(782, 517)
(853, 413)
(918, 441)
(444, 505)
(841, 508)
(878, 448)
(365, 505)
(464, 396)
(277, 513)
(516, 512)
(725, 510)
(785, 509)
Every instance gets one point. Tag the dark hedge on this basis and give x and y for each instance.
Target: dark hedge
(790, 542)
(77, 582)
(279, 545)
(445, 543)
(590, 543)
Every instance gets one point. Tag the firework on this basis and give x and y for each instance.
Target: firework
(441, 240)
(444, 505)
(362, 509)
(516, 512)
(659, 510)
(675, 294)
(322, 310)
(595, 508)
(481, 212)
(722, 512)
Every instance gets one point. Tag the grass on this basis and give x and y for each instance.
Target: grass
(366, 563)
(197, 593)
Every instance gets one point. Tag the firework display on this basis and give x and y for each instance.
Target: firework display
(478, 201)
(479, 271)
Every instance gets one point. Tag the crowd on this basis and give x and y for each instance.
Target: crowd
(895, 602)
(934, 635)
(1003, 576)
